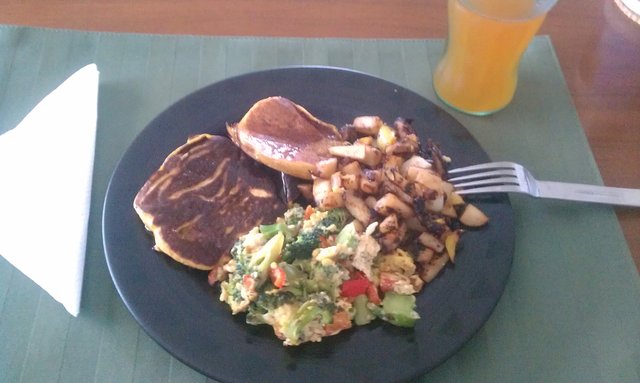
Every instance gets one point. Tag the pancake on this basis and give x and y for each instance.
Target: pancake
(204, 196)
(285, 136)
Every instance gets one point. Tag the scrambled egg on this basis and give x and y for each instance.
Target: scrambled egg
(398, 262)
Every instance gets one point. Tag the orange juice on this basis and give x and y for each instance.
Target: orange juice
(479, 70)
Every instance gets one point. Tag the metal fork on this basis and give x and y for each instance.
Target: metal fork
(506, 177)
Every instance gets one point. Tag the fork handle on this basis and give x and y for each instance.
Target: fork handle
(589, 193)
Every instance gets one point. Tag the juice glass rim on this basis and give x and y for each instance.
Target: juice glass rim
(540, 7)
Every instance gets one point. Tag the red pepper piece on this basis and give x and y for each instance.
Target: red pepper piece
(248, 282)
(353, 287)
(278, 276)
(308, 211)
(372, 294)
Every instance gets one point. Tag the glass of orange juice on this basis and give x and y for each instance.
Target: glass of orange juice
(479, 70)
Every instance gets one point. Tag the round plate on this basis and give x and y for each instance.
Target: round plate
(176, 306)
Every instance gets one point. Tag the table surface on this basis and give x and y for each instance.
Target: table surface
(598, 48)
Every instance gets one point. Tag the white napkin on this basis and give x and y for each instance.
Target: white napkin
(633, 5)
(46, 167)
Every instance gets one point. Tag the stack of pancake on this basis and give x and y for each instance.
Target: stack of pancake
(208, 192)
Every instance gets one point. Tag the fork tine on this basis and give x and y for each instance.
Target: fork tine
(491, 189)
(492, 177)
(492, 173)
(489, 181)
(485, 166)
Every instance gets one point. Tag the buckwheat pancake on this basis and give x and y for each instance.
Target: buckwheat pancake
(203, 197)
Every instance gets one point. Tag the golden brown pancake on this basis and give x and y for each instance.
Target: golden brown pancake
(203, 197)
(284, 136)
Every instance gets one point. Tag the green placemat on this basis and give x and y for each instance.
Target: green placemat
(571, 309)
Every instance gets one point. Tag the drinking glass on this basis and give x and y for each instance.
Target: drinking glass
(479, 70)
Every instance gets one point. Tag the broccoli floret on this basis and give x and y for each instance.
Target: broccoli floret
(236, 250)
(307, 241)
(337, 217)
(237, 255)
(294, 216)
(270, 230)
(317, 309)
(261, 260)
(242, 287)
(236, 295)
(305, 278)
(304, 281)
(288, 225)
(302, 247)
(327, 278)
(267, 303)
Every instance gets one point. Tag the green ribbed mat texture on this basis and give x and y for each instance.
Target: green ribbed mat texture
(571, 308)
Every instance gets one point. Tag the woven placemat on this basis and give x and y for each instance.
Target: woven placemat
(571, 308)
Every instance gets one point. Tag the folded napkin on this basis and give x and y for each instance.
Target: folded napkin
(631, 8)
(46, 167)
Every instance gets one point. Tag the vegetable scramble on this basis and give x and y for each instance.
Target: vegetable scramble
(313, 273)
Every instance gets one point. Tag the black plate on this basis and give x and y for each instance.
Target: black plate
(177, 308)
